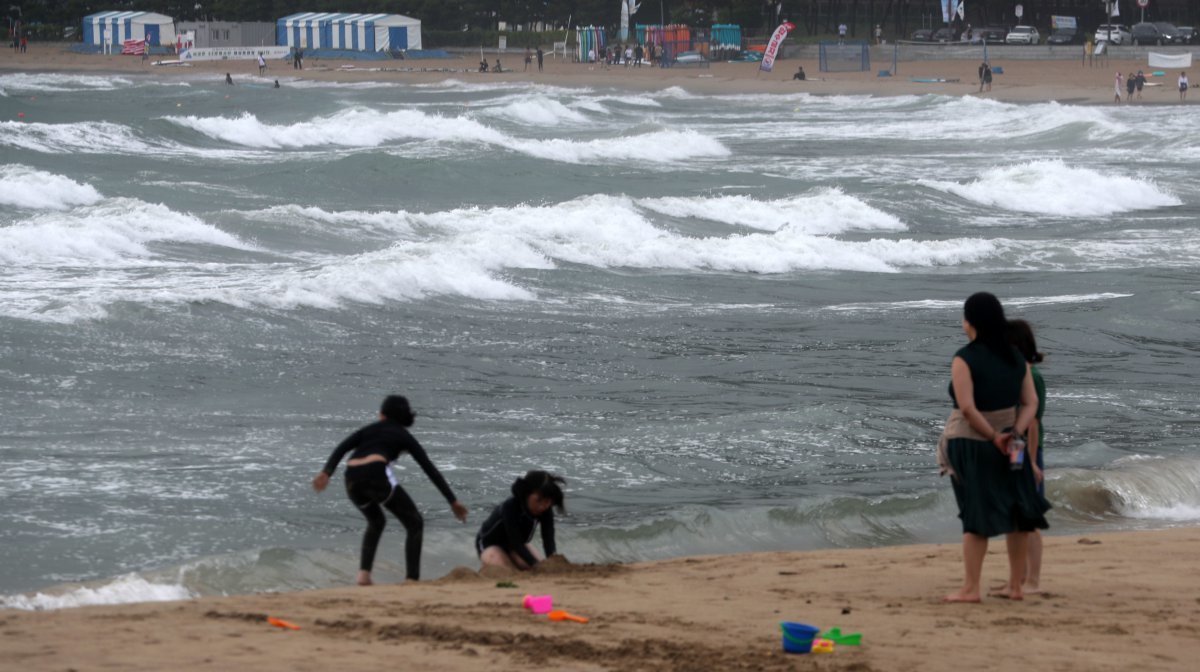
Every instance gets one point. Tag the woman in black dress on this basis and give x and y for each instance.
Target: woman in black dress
(994, 488)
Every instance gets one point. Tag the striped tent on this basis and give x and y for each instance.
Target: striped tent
(114, 28)
(350, 32)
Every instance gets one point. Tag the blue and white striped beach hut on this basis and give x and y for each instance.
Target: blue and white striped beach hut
(115, 27)
(350, 32)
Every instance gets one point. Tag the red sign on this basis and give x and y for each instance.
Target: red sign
(1143, 3)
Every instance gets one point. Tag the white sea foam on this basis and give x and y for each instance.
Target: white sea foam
(823, 212)
(122, 590)
(955, 304)
(105, 232)
(27, 187)
(89, 137)
(539, 111)
(49, 81)
(360, 127)
(383, 221)
(1054, 188)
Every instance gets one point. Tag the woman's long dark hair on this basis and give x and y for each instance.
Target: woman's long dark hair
(1020, 334)
(544, 483)
(396, 409)
(984, 312)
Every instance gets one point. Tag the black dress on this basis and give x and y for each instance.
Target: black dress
(992, 498)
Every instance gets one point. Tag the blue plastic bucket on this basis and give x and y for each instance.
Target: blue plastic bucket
(798, 637)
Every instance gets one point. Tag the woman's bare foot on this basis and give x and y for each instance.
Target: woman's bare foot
(364, 578)
(1006, 594)
(960, 597)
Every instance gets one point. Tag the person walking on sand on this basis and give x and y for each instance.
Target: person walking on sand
(262, 64)
(504, 538)
(983, 70)
(1183, 86)
(372, 487)
(1117, 89)
(982, 449)
(540, 57)
(528, 58)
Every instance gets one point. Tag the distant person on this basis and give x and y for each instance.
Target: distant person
(229, 79)
(528, 58)
(841, 33)
(1020, 334)
(995, 403)
(1117, 88)
(540, 57)
(372, 487)
(987, 76)
(591, 55)
(799, 74)
(504, 538)
(1130, 86)
(638, 54)
(628, 55)
(298, 59)
(498, 68)
(277, 83)
(145, 51)
(1141, 83)
(983, 69)
(24, 43)
(878, 34)
(262, 64)
(483, 65)
(1183, 86)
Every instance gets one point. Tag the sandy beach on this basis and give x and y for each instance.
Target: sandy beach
(1113, 602)
(1023, 81)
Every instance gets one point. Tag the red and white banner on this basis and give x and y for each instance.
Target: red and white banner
(133, 47)
(772, 50)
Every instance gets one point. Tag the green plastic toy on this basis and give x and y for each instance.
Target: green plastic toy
(835, 635)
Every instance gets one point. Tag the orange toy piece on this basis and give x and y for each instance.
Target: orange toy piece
(560, 615)
(280, 623)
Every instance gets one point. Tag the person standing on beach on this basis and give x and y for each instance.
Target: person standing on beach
(984, 68)
(262, 64)
(878, 34)
(1183, 86)
(528, 58)
(1130, 87)
(1089, 49)
(504, 538)
(841, 33)
(1020, 334)
(371, 486)
(1117, 89)
(540, 57)
(1141, 83)
(980, 447)
(638, 54)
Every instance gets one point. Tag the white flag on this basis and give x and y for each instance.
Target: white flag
(1116, 9)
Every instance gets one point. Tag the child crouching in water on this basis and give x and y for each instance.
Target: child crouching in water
(504, 539)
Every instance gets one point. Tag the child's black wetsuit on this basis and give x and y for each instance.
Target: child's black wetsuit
(372, 486)
(511, 527)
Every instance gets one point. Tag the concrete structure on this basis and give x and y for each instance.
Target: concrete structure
(213, 34)
(113, 28)
(352, 32)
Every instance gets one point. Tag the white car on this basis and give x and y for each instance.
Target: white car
(1023, 35)
(1113, 34)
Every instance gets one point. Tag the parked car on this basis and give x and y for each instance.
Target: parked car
(690, 57)
(992, 34)
(922, 35)
(1189, 34)
(1065, 36)
(1023, 35)
(943, 35)
(1155, 33)
(1112, 33)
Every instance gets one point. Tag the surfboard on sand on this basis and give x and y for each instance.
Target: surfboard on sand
(171, 62)
(928, 80)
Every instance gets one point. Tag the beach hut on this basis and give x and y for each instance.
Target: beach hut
(114, 28)
(349, 32)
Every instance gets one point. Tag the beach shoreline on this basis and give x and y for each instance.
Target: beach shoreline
(1022, 81)
(1105, 609)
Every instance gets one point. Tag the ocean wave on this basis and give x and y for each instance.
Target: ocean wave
(538, 111)
(26, 187)
(369, 128)
(88, 137)
(110, 230)
(824, 212)
(1148, 488)
(1054, 188)
(956, 304)
(122, 590)
(51, 81)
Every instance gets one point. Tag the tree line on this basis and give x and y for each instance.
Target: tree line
(755, 16)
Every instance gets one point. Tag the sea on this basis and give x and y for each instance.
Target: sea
(727, 320)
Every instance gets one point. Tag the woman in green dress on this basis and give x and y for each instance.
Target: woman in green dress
(995, 492)
(1020, 334)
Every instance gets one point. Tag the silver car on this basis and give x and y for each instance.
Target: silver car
(1112, 33)
(1023, 35)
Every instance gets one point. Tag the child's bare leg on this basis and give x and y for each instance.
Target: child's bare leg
(496, 557)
